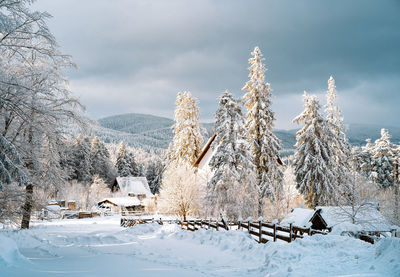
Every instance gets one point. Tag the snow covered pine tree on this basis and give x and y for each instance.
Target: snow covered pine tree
(313, 159)
(264, 144)
(179, 191)
(232, 189)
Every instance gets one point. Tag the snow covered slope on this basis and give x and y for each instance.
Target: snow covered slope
(100, 247)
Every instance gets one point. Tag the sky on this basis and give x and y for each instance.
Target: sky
(134, 56)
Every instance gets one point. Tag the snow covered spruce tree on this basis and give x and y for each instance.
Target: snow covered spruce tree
(232, 189)
(313, 159)
(264, 144)
(179, 191)
(154, 173)
(383, 156)
(340, 145)
(36, 103)
(125, 164)
(100, 157)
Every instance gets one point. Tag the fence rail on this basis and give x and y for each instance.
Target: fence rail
(263, 231)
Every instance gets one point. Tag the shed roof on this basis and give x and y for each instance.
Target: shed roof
(298, 217)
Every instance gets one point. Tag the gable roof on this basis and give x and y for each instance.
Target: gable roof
(135, 185)
(207, 147)
(204, 151)
(122, 201)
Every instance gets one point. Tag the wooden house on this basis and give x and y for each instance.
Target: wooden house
(121, 204)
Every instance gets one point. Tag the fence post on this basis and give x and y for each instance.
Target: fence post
(239, 224)
(201, 223)
(274, 231)
(393, 233)
(209, 223)
(309, 231)
(290, 232)
(248, 226)
(260, 231)
(216, 221)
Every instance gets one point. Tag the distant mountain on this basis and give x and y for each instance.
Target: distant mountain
(154, 132)
(140, 130)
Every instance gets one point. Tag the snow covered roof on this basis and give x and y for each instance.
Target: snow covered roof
(135, 185)
(207, 153)
(367, 217)
(298, 217)
(203, 153)
(122, 201)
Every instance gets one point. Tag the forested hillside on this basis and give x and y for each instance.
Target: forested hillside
(149, 131)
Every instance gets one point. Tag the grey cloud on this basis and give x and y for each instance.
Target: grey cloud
(144, 52)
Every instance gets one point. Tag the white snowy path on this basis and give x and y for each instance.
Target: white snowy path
(100, 247)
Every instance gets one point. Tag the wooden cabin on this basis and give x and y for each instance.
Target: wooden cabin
(366, 218)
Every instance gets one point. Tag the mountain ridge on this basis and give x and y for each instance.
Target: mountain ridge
(155, 132)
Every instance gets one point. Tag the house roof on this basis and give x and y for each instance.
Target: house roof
(205, 150)
(298, 217)
(207, 147)
(122, 201)
(135, 185)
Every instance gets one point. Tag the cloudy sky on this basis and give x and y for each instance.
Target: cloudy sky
(135, 55)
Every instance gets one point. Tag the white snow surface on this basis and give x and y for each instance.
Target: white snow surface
(100, 247)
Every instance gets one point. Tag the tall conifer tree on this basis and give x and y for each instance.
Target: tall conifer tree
(264, 144)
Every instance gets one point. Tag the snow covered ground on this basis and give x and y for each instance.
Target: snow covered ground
(100, 247)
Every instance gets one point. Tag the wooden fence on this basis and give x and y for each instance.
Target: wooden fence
(263, 231)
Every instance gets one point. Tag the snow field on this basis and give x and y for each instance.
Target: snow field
(100, 247)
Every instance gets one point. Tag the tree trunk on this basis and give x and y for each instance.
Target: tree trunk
(26, 213)
(260, 206)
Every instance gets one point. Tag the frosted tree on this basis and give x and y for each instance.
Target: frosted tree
(383, 156)
(154, 173)
(100, 158)
(97, 191)
(125, 163)
(313, 160)
(36, 104)
(232, 189)
(180, 192)
(187, 142)
(80, 160)
(10, 164)
(340, 144)
(264, 144)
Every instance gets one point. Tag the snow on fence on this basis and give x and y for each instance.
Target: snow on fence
(263, 231)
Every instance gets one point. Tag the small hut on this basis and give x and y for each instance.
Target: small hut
(367, 218)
